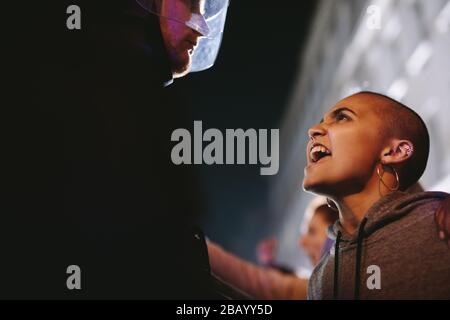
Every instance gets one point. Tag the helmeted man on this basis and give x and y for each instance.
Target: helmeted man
(92, 183)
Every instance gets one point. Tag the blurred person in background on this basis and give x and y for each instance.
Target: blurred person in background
(266, 252)
(314, 229)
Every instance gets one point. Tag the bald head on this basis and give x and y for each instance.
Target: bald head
(401, 122)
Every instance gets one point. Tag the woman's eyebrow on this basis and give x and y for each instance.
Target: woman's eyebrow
(334, 113)
(339, 110)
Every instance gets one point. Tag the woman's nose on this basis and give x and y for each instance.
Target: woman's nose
(317, 130)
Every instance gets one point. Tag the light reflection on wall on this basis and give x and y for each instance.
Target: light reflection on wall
(407, 57)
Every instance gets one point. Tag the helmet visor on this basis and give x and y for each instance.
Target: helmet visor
(207, 17)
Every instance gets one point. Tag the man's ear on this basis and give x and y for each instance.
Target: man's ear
(398, 151)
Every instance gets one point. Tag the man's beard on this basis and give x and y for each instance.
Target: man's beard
(181, 67)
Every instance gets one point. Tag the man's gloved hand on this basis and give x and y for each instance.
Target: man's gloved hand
(442, 218)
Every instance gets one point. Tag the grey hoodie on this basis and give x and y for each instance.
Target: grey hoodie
(396, 254)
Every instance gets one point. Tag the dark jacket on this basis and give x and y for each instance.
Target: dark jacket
(90, 180)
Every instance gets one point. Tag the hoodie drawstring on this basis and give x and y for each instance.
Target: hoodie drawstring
(358, 257)
(358, 261)
(336, 265)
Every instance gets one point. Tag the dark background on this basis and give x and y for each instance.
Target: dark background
(248, 87)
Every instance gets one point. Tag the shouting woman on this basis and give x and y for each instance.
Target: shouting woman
(363, 155)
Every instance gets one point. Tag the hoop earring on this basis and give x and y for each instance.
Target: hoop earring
(380, 176)
(331, 205)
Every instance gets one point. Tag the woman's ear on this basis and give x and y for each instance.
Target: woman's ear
(397, 152)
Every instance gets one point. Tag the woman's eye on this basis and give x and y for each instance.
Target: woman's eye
(341, 117)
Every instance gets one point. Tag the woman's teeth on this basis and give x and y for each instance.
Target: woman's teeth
(318, 152)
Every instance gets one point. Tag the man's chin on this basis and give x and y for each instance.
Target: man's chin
(180, 73)
(181, 68)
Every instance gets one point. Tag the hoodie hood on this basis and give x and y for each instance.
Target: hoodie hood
(388, 209)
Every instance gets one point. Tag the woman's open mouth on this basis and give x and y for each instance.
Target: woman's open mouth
(318, 152)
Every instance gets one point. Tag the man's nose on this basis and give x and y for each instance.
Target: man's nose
(197, 34)
(317, 130)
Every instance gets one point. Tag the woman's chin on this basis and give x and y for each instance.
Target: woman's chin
(317, 187)
(311, 185)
